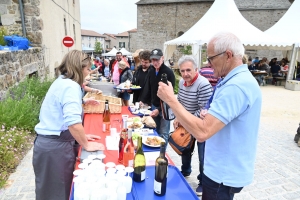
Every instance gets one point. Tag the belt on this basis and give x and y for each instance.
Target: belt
(49, 136)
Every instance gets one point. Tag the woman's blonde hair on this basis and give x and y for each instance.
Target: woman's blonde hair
(72, 65)
(122, 64)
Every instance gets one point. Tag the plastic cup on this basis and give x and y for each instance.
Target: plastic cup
(113, 132)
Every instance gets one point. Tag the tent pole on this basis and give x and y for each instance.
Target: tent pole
(292, 64)
(200, 57)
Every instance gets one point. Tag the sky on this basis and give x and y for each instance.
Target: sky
(108, 16)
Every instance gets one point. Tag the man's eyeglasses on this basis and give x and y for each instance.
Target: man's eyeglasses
(212, 57)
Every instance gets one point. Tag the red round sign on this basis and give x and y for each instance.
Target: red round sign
(68, 41)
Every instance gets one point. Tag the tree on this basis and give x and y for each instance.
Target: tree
(187, 50)
(98, 47)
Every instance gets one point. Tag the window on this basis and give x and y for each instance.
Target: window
(121, 44)
(89, 44)
(89, 38)
(107, 46)
(74, 32)
(65, 24)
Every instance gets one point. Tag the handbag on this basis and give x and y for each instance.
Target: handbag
(182, 141)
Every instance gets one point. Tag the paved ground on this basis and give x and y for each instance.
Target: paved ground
(277, 167)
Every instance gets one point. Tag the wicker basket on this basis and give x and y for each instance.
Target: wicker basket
(115, 104)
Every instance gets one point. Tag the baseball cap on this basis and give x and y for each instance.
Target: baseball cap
(156, 54)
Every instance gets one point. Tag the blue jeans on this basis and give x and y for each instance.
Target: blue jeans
(162, 126)
(217, 191)
(186, 159)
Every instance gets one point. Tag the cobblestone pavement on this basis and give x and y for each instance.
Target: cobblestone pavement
(277, 167)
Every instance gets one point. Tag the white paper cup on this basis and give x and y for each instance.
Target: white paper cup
(113, 132)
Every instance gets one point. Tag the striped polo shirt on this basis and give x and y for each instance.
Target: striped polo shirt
(194, 97)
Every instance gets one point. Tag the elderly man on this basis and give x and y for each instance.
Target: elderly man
(150, 91)
(231, 139)
(194, 92)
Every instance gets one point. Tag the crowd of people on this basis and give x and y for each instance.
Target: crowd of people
(273, 68)
(214, 105)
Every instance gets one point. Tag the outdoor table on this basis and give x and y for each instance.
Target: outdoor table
(177, 187)
(255, 73)
(107, 88)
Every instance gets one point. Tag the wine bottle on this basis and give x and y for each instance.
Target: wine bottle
(106, 118)
(167, 112)
(161, 172)
(122, 143)
(139, 163)
(128, 151)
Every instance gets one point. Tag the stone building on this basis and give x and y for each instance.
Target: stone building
(126, 39)
(89, 38)
(46, 24)
(162, 20)
(110, 41)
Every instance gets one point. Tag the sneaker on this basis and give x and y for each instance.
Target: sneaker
(185, 174)
(199, 190)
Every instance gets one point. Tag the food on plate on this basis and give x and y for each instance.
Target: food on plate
(153, 141)
(134, 119)
(127, 84)
(135, 135)
(136, 125)
(135, 86)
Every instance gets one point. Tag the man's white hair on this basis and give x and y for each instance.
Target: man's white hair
(228, 41)
(187, 58)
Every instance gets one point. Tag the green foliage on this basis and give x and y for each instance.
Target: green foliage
(21, 106)
(19, 113)
(98, 48)
(3, 32)
(14, 144)
(187, 50)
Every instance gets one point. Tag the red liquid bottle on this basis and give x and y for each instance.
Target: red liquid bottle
(122, 142)
(128, 155)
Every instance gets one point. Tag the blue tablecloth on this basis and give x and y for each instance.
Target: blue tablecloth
(177, 187)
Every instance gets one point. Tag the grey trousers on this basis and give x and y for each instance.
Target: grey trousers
(53, 164)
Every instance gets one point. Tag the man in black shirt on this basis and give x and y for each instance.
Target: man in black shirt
(140, 76)
(150, 91)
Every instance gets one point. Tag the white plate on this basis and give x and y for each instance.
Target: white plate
(148, 112)
(144, 139)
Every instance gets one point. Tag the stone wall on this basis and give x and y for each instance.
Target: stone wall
(133, 41)
(15, 66)
(11, 19)
(162, 22)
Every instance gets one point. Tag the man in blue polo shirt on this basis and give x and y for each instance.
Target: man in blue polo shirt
(231, 139)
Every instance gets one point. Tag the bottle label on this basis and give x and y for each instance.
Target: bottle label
(143, 175)
(130, 163)
(157, 187)
(104, 127)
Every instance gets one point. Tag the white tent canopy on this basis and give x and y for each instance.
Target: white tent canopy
(288, 25)
(111, 53)
(125, 52)
(223, 15)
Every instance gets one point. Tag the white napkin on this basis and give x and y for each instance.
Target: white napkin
(151, 157)
(112, 142)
